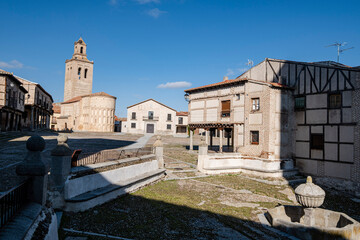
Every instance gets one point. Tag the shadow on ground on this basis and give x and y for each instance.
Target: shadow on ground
(167, 210)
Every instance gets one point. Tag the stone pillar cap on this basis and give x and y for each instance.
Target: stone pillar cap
(310, 189)
(158, 142)
(33, 165)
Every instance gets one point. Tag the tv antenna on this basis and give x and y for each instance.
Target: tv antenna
(339, 49)
(250, 63)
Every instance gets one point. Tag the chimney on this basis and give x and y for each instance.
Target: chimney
(225, 78)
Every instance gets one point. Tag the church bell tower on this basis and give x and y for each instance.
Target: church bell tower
(78, 72)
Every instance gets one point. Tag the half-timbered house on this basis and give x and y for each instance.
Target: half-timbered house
(306, 111)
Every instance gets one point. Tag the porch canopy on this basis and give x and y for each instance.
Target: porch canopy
(212, 130)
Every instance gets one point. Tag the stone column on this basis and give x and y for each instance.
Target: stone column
(35, 169)
(207, 136)
(221, 140)
(203, 152)
(60, 170)
(191, 147)
(159, 151)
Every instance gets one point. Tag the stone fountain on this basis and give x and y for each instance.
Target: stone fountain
(308, 221)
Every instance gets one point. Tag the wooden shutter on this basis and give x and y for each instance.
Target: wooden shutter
(225, 106)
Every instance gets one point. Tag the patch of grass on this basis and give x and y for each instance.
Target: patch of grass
(179, 152)
(235, 181)
(166, 210)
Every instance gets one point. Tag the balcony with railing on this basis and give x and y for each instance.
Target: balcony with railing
(12, 102)
(150, 118)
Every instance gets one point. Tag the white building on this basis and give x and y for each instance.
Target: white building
(151, 116)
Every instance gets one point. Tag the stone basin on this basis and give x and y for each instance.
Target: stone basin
(318, 224)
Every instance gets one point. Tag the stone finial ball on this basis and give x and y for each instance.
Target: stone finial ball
(62, 139)
(35, 143)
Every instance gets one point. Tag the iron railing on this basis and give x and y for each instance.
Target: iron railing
(109, 155)
(11, 202)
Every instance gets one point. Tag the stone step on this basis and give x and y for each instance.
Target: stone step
(101, 195)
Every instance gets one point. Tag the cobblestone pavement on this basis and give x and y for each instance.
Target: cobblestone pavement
(13, 149)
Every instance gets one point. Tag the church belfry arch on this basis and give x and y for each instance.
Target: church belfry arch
(78, 83)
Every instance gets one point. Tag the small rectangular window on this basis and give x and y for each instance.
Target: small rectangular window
(225, 108)
(335, 100)
(168, 126)
(299, 102)
(133, 125)
(180, 120)
(133, 115)
(254, 137)
(169, 117)
(255, 104)
(317, 141)
(237, 96)
(151, 115)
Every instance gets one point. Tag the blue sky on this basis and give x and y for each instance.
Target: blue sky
(138, 46)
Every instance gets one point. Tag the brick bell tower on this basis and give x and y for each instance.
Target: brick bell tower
(78, 72)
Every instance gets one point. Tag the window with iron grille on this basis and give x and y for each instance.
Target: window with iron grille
(133, 125)
(299, 102)
(317, 141)
(255, 104)
(225, 108)
(335, 100)
(168, 126)
(254, 137)
(133, 115)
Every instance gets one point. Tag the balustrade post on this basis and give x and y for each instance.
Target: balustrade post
(159, 151)
(35, 169)
(60, 170)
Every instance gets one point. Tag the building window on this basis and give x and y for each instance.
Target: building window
(255, 104)
(79, 71)
(254, 137)
(225, 108)
(168, 126)
(299, 102)
(151, 115)
(169, 117)
(85, 73)
(237, 96)
(335, 100)
(180, 120)
(133, 115)
(317, 141)
(81, 50)
(133, 125)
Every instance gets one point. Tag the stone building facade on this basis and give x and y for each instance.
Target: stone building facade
(286, 109)
(181, 122)
(38, 106)
(83, 110)
(151, 116)
(12, 102)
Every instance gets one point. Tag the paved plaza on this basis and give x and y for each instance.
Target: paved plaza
(13, 149)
